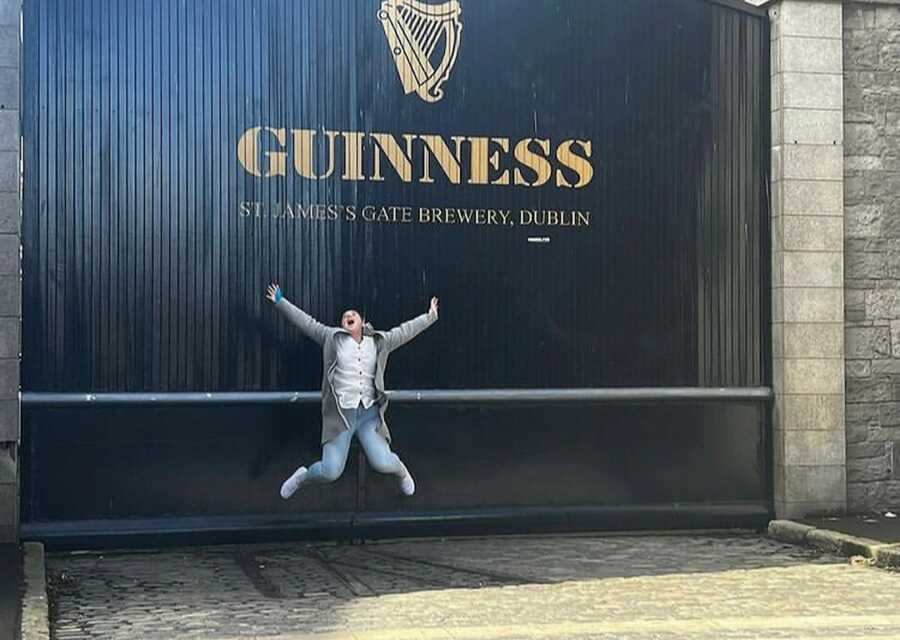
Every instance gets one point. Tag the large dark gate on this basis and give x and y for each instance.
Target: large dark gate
(582, 182)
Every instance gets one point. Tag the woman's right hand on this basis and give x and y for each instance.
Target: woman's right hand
(273, 293)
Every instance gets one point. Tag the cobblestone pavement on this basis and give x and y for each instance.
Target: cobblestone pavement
(622, 588)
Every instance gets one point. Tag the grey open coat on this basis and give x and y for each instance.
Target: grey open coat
(333, 420)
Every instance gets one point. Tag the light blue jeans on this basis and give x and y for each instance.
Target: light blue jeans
(363, 423)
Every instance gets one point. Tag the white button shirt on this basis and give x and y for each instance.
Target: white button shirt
(354, 375)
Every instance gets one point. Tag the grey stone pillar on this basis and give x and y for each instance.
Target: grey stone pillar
(10, 272)
(807, 257)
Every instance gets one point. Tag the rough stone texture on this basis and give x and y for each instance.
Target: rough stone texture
(8, 491)
(8, 470)
(9, 12)
(9, 421)
(872, 253)
(789, 531)
(8, 502)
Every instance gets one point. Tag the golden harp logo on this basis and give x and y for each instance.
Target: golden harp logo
(419, 35)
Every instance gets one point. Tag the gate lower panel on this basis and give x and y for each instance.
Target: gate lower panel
(110, 475)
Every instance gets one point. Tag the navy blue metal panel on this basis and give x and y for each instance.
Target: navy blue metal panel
(520, 468)
(141, 274)
(732, 234)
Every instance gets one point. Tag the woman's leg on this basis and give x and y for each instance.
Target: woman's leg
(334, 458)
(379, 454)
(328, 469)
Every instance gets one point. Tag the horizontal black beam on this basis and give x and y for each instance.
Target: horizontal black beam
(32, 399)
(158, 532)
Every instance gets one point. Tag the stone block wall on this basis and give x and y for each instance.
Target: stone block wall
(10, 276)
(872, 253)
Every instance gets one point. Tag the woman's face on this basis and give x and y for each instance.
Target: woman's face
(351, 320)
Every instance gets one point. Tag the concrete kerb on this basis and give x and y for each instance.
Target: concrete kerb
(882, 555)
(35, 612)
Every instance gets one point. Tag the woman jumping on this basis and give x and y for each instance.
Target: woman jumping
(353, 398)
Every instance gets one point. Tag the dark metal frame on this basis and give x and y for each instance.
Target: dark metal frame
(765, 249)
(350, 526)
(363, 525)
(435, 396)
(106, 533)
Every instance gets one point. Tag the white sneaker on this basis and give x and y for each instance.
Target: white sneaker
(293, 483)
(407, 484)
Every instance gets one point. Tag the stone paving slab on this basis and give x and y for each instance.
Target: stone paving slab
(628, 588)
(873, 526)
(839, 542)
